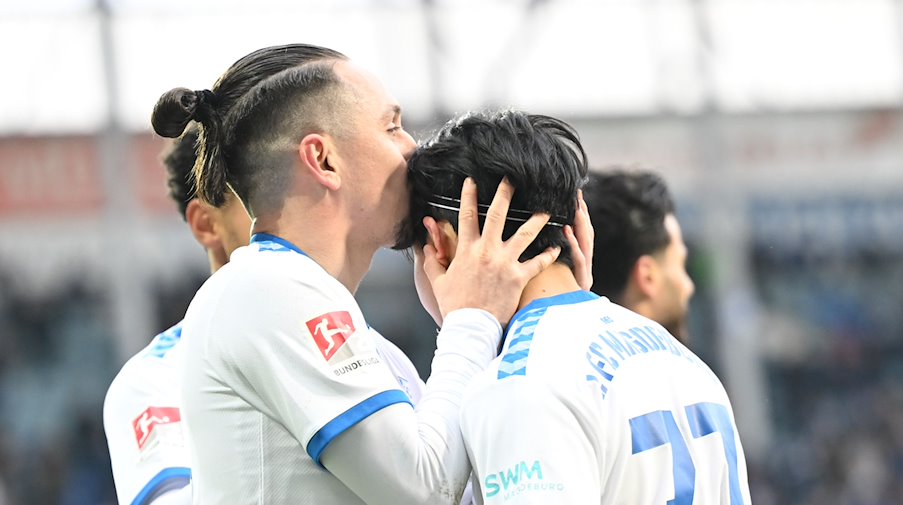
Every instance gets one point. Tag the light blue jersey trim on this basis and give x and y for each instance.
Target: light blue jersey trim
(169, 479)
(350, 417)
(165, 341)
(268, 242)
(523, 326)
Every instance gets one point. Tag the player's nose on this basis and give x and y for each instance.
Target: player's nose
(408, 146)
(691, 287)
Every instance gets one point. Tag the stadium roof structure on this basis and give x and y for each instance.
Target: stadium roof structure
(79, 66)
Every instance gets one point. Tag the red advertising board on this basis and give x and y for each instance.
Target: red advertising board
(62, 177)
(41, 176)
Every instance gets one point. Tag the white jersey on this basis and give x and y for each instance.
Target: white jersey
(589, 402)
(142, 414)
(279, 362)
(141, 417)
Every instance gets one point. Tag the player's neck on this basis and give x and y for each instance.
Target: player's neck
(215, 262)
(217, 257)
(635, 300)
(555, 280)
(325, 240)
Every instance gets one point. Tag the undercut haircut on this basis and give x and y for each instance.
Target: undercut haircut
(263, 129)
(541, 156)
(628, 210)
(270, 90)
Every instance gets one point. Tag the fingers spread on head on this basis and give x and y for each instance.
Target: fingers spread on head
(498, 209)
(582, 208)
(468, 222)
(582, 270)
(540, 262)
(527, 233)
(583, 228)
(576, 253)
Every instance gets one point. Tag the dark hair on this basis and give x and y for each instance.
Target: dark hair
(179, 158)
(628, 210)
(541, 156)
(228, 140)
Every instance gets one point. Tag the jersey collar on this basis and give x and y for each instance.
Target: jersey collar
(543, 303)
(263, 238)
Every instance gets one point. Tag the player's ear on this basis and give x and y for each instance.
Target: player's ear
(442, 236)
(645, 275)
(317, 157)
(200, 218)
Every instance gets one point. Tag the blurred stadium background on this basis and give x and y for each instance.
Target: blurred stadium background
(778, 124)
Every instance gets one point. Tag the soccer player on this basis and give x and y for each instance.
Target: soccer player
(587, 402)
(142, 409)
(286, 396)
(640, 255)
(146, 395)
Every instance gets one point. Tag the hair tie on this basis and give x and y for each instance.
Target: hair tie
(205, 96)
(199, 112)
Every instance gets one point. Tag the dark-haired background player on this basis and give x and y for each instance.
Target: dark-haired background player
(142, 408)
(639, 255)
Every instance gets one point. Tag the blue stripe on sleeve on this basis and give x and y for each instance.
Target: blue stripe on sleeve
(168, 479)
(350, 417)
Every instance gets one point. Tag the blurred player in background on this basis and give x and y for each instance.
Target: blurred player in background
(142, 409)
(288, 398)
(639, 254)
(588, 402)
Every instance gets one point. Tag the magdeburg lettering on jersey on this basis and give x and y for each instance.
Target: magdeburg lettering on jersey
(609, 350)
(520, 478)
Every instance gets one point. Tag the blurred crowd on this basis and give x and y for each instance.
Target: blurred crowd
(833, 360)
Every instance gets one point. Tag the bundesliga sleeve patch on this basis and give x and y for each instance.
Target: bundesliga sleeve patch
(330, 331)
(147, 423)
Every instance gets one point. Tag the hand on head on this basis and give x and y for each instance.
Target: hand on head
(485, 273)
(581, 238)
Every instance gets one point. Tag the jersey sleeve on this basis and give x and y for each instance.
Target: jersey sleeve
(528, 446)
(405, 372)
(418, 456)
(181, 496)
(305, 357)
(143, 427)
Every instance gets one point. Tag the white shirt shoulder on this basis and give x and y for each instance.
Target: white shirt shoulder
(279, 362)
(142, 421)
(405, 372)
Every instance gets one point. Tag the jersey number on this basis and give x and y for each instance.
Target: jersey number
(659, 428)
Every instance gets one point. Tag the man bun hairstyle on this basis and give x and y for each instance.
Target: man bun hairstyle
(179, 106)
(172, 113)
(178, 159)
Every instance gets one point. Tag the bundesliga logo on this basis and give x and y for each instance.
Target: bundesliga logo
(150, 418)
(330, 331)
